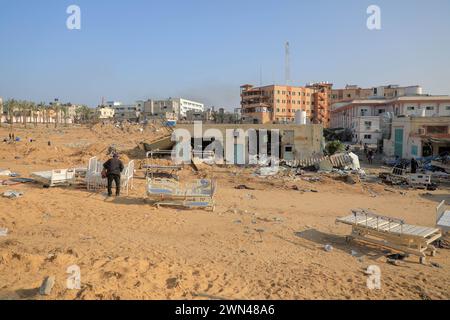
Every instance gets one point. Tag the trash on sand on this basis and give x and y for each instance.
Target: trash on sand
(354, 253)
(243, 187)
(12, 194)
(267, 171)
(328, 248)
(4, 172)
(47, 286)
(14, 174)
(3, 232)
(396, 256)
(22, 180)
(394, 262)
(436, 265)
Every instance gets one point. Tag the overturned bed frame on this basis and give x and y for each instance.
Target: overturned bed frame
(53, 178)
(169, 192)
(391, 233)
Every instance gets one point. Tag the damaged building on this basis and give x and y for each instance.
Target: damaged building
(418, 137)
(295, 142)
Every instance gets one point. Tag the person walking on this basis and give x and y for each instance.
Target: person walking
(414, 165)
(370, 156)
(112, 170)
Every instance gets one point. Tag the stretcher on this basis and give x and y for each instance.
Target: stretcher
(391, 233)
(170, 192)
(53, 178)
(443, 218)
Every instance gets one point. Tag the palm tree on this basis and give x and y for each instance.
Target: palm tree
(65, 112)
(57, 109)
(9, 106)
(83, 113)
(41, 112)
(24, 110)
(33, 111)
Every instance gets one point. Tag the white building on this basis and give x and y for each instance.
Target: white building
(172, 108)
(131, 112)
(188, 105)
(363, 116)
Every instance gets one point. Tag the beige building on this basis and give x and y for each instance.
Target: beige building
(353, 92)
(279, 104)
(296, 142)
(103, 113)
(418, 137)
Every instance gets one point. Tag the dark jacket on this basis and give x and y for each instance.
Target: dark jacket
(113, 166)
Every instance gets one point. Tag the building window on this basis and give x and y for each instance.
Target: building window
(380, 111)
(447, 108)
(368, 136)
(430, 108)
(410, 108)
(437, 129)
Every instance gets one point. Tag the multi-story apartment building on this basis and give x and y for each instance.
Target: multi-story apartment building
(131, 112)
(176, 109)
(353, 92)
(363, 117)
(279, 104)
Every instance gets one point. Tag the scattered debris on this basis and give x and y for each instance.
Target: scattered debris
(5, 173)
(435, 264)
(394, 262)
(396, 256)
(47, 286)
(22, 180)
(260, 232)
(311, 179)
(328, 248)
(243, 187)
(12, 194)
(354, 253)
(267, 171)
(3, 232)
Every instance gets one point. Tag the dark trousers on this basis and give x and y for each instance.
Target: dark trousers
(116, 179)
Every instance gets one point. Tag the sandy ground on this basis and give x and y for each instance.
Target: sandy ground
(266, 243)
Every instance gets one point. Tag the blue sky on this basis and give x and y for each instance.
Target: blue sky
(205, 49)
